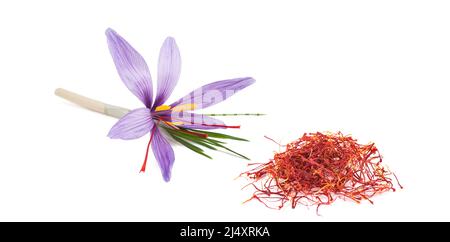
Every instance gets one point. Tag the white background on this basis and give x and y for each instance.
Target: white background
(378, 70)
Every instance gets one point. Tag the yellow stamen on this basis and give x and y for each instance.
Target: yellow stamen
(162, 108)
(184, 107)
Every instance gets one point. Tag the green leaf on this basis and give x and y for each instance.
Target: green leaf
(232, 151)
(218, 135)
(193, 138)
(188, 136)
(202, 143)
(190, 146)
(184, 139)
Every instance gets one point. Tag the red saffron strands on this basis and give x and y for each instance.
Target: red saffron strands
(317, 169)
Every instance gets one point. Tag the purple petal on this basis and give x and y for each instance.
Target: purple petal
(133, 125)
(169, 68)
(214, 93)
(196, 121)
(163, 154)
(131, 67)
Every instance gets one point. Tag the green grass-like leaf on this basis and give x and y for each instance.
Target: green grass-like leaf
(218, 135)
(186, 139)
(192, 138)
(232, 151)
(190, 146)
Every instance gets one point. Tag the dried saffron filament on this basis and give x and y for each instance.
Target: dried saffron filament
(317, 169)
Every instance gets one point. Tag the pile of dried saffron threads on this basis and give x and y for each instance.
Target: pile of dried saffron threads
(317, 169)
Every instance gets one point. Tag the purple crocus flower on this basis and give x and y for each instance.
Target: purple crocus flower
(135, 74)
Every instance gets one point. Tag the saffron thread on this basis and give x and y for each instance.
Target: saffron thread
(318, 168)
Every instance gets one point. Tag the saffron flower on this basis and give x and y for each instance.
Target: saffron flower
(174, 120)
